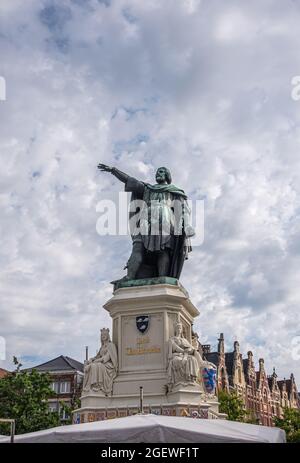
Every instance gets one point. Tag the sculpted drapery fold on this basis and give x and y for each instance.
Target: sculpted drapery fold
(184, 361)
(101, 370)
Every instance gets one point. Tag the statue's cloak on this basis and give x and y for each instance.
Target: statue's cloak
(179, 243)
(165, 188)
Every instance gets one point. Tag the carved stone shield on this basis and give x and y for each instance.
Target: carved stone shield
(142, 323)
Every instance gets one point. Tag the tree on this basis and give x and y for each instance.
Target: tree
(24, 397)
(68, 409)
(290, 423)
(233, 406)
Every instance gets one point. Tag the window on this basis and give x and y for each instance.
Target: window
(64, 415)
(62, 387)
(55, 386)
(65, 387)
(53, 407)
(79, 379)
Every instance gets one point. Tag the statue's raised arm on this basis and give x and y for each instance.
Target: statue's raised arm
(113, 170)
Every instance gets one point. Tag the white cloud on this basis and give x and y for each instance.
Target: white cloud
(235, 25)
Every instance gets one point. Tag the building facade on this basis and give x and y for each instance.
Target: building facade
(3, 373)
(264, 396)
(67, 377)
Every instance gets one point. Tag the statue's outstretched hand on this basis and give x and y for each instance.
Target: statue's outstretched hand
(104, 167)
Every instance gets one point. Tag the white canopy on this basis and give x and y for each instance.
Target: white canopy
(156, 429)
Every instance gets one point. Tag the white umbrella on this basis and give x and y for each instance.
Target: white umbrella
(156, 429)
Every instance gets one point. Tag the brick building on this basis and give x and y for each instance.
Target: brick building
(3, 373)
(264, 395)
(67, 378)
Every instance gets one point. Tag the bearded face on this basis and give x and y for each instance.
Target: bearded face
(161, 176)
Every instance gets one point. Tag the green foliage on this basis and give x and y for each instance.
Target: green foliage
(68, 409)
(251, 418)
(290, 423)
(23, 397)
(233, 406)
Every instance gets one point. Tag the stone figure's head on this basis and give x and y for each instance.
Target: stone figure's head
(104, 335)
(178, 329)
(163, 175)
(195, 340)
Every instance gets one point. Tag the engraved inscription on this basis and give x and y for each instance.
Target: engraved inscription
(142, 351)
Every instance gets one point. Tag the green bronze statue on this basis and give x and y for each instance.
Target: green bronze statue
(161, 242)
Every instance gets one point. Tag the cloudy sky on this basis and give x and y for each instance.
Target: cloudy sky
(203, 87)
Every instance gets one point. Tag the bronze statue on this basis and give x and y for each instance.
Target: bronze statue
(161, 236)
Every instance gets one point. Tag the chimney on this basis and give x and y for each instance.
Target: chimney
(261, 365)
(221, 349)
(206, 348)
(236, 347)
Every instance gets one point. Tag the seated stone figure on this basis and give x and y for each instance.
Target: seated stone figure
(208, 370)
(101, 370)
(184, 361)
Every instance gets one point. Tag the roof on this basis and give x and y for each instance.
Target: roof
(270, 382)
(288, 385)
(229, 357)
(245, 366)
(212, 357)
(61, 363)
(257, 374)
(3, 373)
(281, 383)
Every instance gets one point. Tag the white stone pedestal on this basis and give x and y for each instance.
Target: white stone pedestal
(143, 357)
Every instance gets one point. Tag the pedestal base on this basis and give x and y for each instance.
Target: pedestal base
(143, 356)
